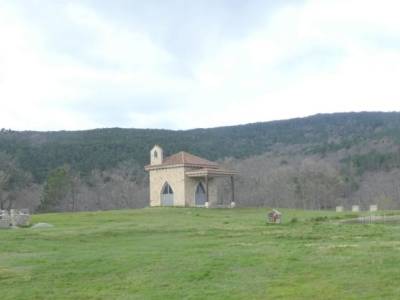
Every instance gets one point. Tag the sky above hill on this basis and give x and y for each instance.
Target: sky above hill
(184, 64)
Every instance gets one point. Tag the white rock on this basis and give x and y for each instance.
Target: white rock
(42, 225)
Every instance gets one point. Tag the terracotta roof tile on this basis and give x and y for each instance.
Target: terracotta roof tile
(184, 158)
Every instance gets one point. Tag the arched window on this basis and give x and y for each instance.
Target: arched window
(200, 195)
(155, 154)
(200, 189)
(167, 195)
(167, 189)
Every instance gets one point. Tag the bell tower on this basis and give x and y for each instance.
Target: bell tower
(156, 155)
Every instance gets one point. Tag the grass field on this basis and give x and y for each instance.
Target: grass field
(181, 253)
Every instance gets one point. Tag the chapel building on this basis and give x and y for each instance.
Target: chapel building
(184, 179)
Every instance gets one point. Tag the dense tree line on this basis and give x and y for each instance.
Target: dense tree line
(124, 186)
(41, 152)
(12, 180)
(315, 162)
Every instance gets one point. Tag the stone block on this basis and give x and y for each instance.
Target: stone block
(373, 207)
(5, 221)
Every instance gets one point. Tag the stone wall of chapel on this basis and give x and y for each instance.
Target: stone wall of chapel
(190, 190)
(213, 191)
(175, 178)
(156, 155)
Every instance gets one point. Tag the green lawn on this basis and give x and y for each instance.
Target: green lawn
(179, 253)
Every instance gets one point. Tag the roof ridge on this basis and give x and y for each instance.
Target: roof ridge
(186, 158)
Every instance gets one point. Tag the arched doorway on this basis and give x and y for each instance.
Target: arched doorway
(200, 195)
(167, 195)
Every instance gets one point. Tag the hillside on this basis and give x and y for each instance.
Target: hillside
(173, 253)
(294, 163)
(40, 152)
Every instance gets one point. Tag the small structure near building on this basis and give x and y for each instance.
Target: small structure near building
(184, 179)
(339, 208)
(274, 217)
(373, 207)
(355, 208)
(14, 218)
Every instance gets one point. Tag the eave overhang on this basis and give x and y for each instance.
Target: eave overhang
(218, 172)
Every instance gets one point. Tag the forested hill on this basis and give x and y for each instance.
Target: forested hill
(41, 152)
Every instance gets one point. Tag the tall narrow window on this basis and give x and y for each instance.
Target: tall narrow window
(200, 189)
(200, 195)
(167, 195)
(155, 154)
(167, 189)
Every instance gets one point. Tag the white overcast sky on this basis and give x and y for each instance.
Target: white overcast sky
(185, 64)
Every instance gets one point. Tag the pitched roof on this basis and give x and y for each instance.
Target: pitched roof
(184, 158)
